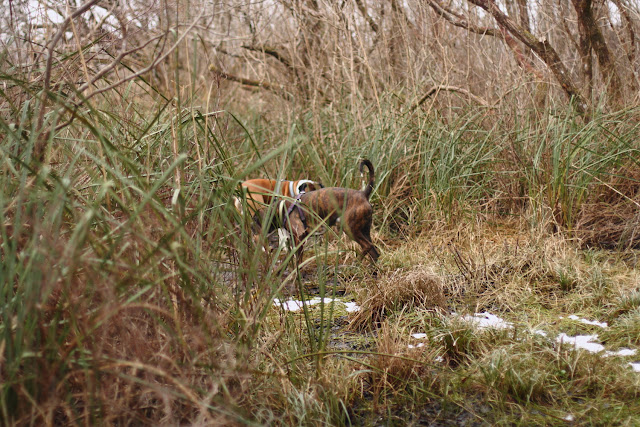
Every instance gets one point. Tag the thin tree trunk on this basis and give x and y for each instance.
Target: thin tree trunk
(592, 38)
(542, 48)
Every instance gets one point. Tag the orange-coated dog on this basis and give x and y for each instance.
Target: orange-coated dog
(261, 193)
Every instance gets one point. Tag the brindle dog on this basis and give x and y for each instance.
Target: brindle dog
(333, 204)
(262, 193)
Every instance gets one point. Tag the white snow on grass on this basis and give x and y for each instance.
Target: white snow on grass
(351, 307)
(586, 342)
(588, 322)
(622, 352)
(487, 320)
(418, 336)
(295, 305)
(582, 341)
(291, 305)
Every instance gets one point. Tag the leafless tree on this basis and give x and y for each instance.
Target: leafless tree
(323, 51)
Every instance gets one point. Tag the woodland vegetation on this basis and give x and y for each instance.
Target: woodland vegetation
(505, 137)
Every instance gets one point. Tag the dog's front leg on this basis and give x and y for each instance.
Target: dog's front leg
(298, 232)
(283, 238)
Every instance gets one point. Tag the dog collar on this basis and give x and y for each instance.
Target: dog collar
(301, 183)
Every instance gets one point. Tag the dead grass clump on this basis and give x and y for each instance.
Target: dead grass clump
(395, 366)
(610, 219)
(518, 377)
(397, 291)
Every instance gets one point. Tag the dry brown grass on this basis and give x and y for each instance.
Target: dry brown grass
(416, 288)
(395, 364)
(611, 217)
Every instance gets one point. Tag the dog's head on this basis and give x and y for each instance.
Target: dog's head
(306, 185)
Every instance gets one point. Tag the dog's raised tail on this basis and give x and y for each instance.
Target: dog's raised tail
(369, 188)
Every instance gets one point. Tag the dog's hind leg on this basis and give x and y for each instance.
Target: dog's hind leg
(367, 246)
(359, 221)
(363, 238)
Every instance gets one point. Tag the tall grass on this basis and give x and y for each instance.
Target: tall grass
(472, 162)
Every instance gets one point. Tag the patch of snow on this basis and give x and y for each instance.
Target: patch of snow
(416, 346)
(419, 336)
(487, 320)
(622, 352)
(569, 418)
(582, 341)
(295, 305)
(351, 307)
(291, 305)
(588, 322)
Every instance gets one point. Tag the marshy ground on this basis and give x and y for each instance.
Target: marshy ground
(492, 324)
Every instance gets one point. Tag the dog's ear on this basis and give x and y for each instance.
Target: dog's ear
(302, 187)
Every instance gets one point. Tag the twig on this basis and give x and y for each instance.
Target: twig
(461, 22)
(271, 52)
(437, 89)
(543, 49)
(248, 82)
(363, 10)
(115, 62)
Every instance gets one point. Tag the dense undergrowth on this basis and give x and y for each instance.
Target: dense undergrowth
(131, 293)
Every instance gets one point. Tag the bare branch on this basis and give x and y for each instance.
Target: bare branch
(631, 52)
(271, 52)
(520, 57)
(437, 89)
(398, 9)
(459, 21)
(101, 73)
(248, 82)
(39, 146)
(592, 38)
(363, 10)
(118, 60)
